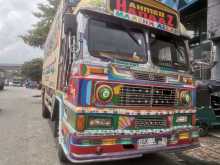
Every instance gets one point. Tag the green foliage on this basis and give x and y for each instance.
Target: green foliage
(36, 37)
(33, 69)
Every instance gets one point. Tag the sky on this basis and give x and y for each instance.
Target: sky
(15, 19)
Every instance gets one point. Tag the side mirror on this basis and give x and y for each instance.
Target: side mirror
(70, 23)
(185, 33)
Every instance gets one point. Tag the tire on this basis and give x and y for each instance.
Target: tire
(55, 120)
(56, 125)
(1, 88)
(204, 129)
(61, 155)
(45, 111)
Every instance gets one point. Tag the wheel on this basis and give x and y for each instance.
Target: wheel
(55, 120)
(203, 129)
(61, 154)
(56, 125)
(1, 88)
(45, 111)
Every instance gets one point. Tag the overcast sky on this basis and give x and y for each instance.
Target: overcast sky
(15, 19)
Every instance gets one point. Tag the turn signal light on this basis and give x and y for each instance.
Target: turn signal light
(184, 136)
(193, 119)
(96, 70)
(87, 70)
(80, 123)
(187, 80)
(109, 141)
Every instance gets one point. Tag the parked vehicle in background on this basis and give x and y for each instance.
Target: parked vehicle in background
(208, 105)
(17, 82)
(2, 79)
(117, 81)
(6, 82)
(32, 84)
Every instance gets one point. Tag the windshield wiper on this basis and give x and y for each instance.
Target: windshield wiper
(131, 35)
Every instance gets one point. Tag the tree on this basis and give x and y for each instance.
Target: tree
(36, 37)
(33, 69)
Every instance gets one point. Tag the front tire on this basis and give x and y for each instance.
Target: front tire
(61, 155)
(45, 111)
(56, 126)
(204, 129)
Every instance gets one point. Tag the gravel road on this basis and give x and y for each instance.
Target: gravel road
(26, 138)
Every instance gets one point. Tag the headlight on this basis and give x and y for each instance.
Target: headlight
(185, 97)
(95, 122)
(104, 93)
(182, 119)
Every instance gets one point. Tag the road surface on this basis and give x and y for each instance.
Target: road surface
(26, 138)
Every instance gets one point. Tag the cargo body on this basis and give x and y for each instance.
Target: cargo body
(116, 81)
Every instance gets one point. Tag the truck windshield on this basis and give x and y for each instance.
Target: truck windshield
(111, 41)
(168, 52)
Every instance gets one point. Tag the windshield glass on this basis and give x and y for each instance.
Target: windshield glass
(168, 52)
(112, 41)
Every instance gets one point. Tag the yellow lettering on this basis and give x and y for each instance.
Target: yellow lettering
(156, 12)
(140, 7)
(132, 5)
(162, 14)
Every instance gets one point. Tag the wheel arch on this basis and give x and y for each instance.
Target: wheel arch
(57, 107)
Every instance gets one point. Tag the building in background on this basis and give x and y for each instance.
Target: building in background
(12, 70)
(214, 31)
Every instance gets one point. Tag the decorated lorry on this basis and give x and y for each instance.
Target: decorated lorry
(116, 80)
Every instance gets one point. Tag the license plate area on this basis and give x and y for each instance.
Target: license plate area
(151, 142)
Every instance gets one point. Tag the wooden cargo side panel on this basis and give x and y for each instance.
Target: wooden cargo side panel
(52, 53)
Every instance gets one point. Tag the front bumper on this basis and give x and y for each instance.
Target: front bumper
(75, 158)
(98, 153)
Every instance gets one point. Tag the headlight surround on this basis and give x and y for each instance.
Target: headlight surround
(185, 97)
(104, 93)
(100, 122)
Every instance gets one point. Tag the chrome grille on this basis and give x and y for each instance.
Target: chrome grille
(149, 76)
(151, 122)
(147, 96)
